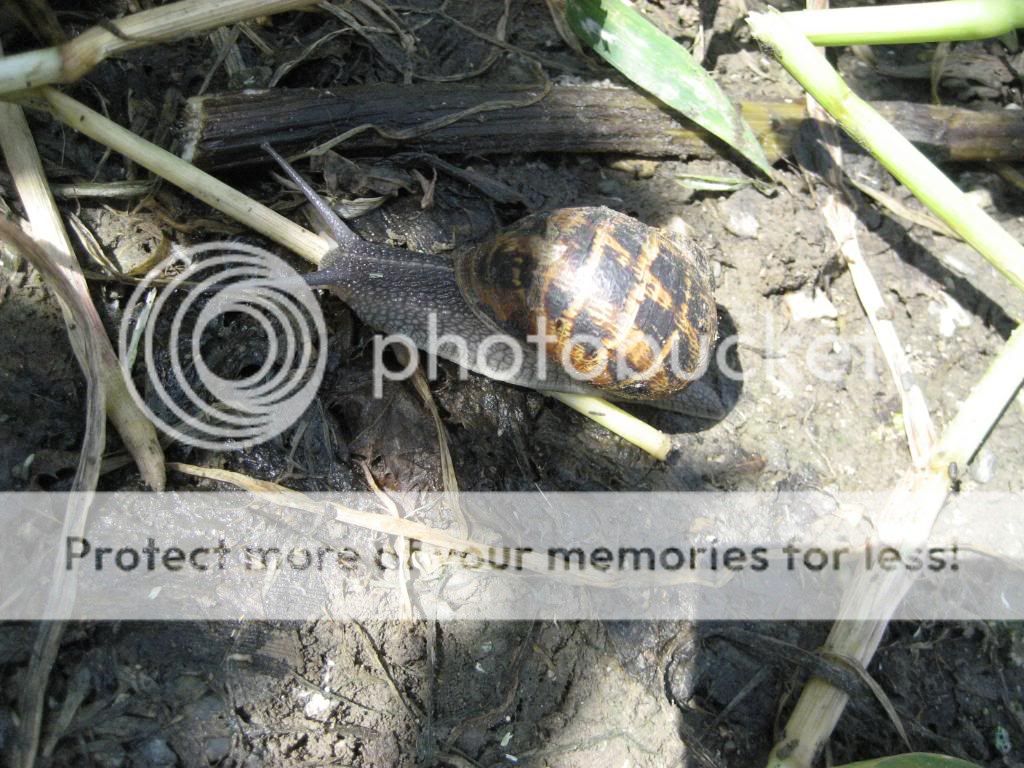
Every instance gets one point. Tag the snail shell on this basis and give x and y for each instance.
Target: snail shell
(626, 307)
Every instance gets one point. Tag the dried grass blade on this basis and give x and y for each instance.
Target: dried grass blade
(83, 325)
(23, 160)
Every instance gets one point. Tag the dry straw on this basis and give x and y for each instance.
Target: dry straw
(72, 60)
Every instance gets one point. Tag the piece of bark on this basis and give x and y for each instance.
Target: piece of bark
(224, 130)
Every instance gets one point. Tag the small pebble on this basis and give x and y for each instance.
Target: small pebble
(155, 753)
(319, 707)
(1001, 741)
(803, 307)
(984, 466)
(217, 749)
(742, 224)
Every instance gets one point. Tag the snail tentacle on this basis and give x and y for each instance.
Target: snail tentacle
(339, 230)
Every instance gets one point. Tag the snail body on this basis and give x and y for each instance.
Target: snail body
(584, 300)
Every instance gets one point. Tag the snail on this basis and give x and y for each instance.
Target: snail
(584, 300)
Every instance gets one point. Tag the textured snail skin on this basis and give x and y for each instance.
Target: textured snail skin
(593, 270)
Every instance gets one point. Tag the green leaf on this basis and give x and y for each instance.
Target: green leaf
(913, 760)
(659, 65)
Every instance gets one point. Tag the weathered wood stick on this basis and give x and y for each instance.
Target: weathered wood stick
(227, 129)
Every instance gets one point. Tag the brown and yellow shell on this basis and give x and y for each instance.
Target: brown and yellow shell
(626, 307)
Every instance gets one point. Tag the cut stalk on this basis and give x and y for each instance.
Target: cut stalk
(227, 129)
(910, 512)
(910, 23)
(292, 236)
(979, 413)
(72, 60)
(897, 154)
(611, 417)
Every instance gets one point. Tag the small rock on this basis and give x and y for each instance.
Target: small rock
(739, 214)
(950, 315)
(217, 749)
(742, 224)
(984, 466)
(319, 707)
(155, 753)
(1001, 741)
(803, 307)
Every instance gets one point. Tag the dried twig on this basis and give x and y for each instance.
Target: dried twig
(410, 707)
(449, 480)
(186, 176)
(402, 548)
(227, 129)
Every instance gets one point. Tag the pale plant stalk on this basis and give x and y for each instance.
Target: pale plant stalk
(897, 154)
(905, 521)
(72, 60)
(299, 240)
(26, 168)
(909, 23)
(842, 221)
(911, 509)
(613, 418)
(917, 422)
(210, 190)
(86, 333)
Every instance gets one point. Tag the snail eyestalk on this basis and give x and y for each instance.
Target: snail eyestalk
(334, 223)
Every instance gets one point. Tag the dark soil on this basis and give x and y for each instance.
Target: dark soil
(466, 694)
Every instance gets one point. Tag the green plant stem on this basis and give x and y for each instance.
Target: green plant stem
(910, 23)
(897, 154)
